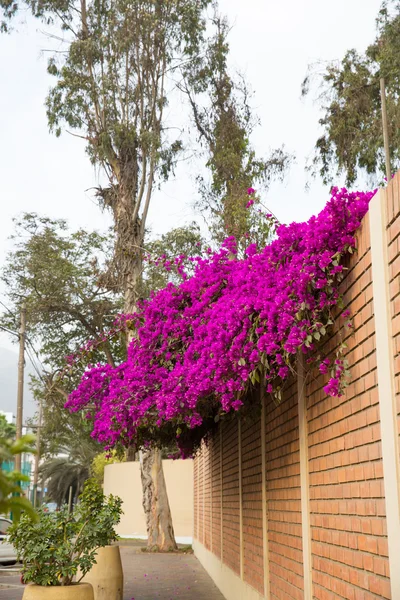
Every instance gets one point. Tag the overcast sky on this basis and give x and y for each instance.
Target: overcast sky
(272, 42)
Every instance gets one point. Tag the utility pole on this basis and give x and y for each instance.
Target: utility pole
(70, 499)
(37, 456)
(20, 393)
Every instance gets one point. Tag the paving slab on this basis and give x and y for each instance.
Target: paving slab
(10, 585)
(166, 577)
(147, 576)
(10, 594)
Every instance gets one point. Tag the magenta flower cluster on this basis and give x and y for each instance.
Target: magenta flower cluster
(200, 345)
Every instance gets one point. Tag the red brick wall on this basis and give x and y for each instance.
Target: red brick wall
(283, 497)
(200, 500)
(230, 496)
(346, 504)
(347, 507)
(252, 504)
(215, 450)
(207, 496)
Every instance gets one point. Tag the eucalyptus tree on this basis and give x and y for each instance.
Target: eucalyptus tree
(112, 83)
(162, 255)
(112, 88)
(225, 121)
(348, 93)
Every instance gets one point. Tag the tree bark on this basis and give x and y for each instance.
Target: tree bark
(125, 202)
(160, 530)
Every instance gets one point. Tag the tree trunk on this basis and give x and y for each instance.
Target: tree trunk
(155, 502)
(160, 531)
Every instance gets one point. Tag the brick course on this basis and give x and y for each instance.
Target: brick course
(230, 496)
(216, 486)
(252, 504)
(283, 497)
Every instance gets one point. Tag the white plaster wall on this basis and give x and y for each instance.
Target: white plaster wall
(123, 480)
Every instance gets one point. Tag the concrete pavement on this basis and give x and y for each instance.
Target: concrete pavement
(147, 577)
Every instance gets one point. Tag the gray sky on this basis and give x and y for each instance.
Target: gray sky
(272, 42)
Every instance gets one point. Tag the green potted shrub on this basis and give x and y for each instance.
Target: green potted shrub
(59, 545)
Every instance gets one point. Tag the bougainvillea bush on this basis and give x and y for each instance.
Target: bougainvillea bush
(201, 345)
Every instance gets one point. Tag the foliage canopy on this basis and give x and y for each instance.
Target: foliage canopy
(352, 138)
(224, 120)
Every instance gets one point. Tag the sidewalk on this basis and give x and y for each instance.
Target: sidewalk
(166, 577)
(148, 577)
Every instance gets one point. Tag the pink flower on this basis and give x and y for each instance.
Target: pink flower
(199, 344)
(251, 191)
(323, 367)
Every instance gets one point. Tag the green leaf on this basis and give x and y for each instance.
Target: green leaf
(57, 544)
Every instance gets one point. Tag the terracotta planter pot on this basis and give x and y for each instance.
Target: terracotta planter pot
(106, 576)
(77, 591)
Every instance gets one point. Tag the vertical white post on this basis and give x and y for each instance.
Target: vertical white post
(198, 497)
(304, 478)
(204, 494)
(210, 456)
(385, 372)
(264, 495)
(221, 484)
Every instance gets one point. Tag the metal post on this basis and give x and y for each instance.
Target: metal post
(20, 393)
(70, 499)
(385, 131)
